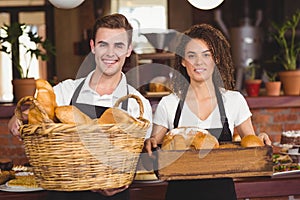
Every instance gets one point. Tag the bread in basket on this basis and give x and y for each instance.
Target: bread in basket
(72, 157)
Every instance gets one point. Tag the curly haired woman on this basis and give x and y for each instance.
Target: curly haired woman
(203, 96)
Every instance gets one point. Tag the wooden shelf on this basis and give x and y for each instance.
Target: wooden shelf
(157, 56)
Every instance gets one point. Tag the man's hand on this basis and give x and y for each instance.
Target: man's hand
(14, 125)
(111, 192)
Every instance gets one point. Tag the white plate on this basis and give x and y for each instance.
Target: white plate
(288, 146)
(286, 173)
(7, 188)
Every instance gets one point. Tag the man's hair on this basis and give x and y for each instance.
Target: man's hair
(113, 21)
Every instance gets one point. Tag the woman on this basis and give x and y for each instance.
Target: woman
(203, 96)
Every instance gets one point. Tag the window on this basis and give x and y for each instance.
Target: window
(145, 16)
(38, 69)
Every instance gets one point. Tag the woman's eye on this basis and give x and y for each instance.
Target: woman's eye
(190, 56)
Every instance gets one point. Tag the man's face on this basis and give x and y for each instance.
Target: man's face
(111, 49)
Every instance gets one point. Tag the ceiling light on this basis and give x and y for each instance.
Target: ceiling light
(205, 4)
(66, 4)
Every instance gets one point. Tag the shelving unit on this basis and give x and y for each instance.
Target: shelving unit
(149, 66)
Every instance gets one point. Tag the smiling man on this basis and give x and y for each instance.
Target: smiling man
(100, 89)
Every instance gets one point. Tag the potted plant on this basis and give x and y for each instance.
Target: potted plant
(252, 83)
(41, 49)
(289, 48)
(273, 86)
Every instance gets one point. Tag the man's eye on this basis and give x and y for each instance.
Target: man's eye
(119, 46)
(206, 55)
(102, 45)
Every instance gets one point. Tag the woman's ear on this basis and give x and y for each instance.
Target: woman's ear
(183, 62)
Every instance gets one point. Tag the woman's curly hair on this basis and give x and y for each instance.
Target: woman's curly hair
(220, 49)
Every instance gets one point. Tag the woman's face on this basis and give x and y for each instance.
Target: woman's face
(198, 60)
(110, 49)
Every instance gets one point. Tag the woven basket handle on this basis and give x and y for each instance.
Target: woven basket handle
(33, 102)
(138, 99)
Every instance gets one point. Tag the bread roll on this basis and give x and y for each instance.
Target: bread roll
(251, 141)
(115, 115)
(179, 142)
(167, 142)
(236, 138)
(204, 141)
(71, 115)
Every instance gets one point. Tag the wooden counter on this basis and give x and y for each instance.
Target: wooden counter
(262, 187)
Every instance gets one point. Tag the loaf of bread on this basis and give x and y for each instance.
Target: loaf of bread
(197, 141)
(204, 141)
(251, 141)
(47, 100)
(115, 115)
(174, 142)
(71, 115)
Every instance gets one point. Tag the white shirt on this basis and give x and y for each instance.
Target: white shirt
(65, 89)
(236, 108)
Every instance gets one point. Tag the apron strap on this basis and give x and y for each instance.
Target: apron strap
(90, 110)
(223, 134)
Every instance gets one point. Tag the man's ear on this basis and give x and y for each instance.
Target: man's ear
(92, 46)
(129, 50)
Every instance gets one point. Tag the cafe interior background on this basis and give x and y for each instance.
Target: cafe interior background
(69, 30)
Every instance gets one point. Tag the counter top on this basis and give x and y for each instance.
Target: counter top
(259, 187)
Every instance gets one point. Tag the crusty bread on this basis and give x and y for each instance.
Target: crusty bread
(179, 142)
(204, 141)
(115, 115)
(167, 142)
(236, 138)
(47, 100)
(251, 141)
(196, 141)
(71, 115)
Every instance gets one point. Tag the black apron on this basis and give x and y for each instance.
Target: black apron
(204, 189)
(93, 112)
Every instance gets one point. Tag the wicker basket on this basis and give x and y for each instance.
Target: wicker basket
(70, 157)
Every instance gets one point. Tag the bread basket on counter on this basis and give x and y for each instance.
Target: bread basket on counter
(72, 157)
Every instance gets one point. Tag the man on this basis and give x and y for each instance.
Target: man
(99, 90)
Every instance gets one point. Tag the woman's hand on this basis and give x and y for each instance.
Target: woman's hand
(149, 144)
(265, 138)
(111, 192)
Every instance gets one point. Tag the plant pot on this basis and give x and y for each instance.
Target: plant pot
(273, 88)
(23, 87)
(253, 87)
(290, 82)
